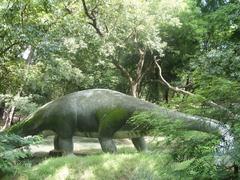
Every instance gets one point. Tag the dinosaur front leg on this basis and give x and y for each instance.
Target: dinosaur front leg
(55, 143)
(139, 143)
(62, 146)
(56, 151)
(107, 145)
(65, 145)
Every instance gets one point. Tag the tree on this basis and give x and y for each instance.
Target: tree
(130, 30)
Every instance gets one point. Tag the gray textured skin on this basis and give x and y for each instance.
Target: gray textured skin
(93, 113)
(76, 114)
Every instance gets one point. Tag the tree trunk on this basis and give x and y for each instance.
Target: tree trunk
(9, 117)
(166, 94)
(134, 89)
(2, 106)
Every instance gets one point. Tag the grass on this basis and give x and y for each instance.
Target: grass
(127, 164)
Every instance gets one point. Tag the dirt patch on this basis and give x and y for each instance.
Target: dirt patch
(82, 146)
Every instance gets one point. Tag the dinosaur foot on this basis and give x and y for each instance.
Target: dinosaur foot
(55, 153)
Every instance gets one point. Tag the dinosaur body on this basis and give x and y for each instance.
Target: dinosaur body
(104, 114)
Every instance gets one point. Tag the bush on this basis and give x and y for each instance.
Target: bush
(12, 149)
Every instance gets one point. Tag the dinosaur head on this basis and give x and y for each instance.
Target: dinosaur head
(226, 149)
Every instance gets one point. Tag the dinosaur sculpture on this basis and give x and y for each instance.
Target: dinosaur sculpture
(104, 114)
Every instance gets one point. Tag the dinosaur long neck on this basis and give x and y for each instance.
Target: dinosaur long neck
(205, 125)
(192, 122)
(196, 122)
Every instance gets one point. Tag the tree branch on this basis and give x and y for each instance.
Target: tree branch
(144, 72)
(22, 14)
(92, 16)
(124, 71)
(179, 90)
(176, 89)
(140, 63)
(8, 48)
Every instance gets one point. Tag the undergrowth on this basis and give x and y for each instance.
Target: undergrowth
(160, 162)
(134, 166)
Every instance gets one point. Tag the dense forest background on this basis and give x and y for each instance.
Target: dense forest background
(182, 54)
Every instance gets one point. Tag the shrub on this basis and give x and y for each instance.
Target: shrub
(12, 149)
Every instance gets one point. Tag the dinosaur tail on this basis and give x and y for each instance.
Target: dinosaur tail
(28, 126)
(32, 124)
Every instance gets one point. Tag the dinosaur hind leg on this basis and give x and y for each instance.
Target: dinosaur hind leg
(139, 143)
(107, 145)
(110, 120)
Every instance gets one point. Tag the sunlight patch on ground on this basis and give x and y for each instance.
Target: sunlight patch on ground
(61, 174)
(113, 164)
(110, 164)
(88, 174)
(80, 145)
(44, 163)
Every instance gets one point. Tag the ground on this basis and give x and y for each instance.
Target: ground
(82, 146)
